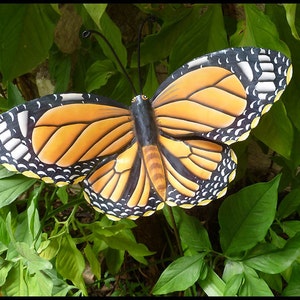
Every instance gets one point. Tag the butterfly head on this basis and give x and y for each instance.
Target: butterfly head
(139, 99)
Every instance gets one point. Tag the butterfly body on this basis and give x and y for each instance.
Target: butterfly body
(172, 148)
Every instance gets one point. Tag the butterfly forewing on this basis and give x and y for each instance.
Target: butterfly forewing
(221, 96)
(60, 138)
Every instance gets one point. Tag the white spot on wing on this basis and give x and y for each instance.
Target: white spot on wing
(246, 69)
(72, 96)
(23, 120)
(19, 152)
(197, 62)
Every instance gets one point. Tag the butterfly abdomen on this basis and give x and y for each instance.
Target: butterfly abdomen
(147, 138)
(155, 169)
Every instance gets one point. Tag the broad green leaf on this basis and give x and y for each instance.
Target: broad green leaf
(27, 32)
(39, 284)
(113, 34)
(170, 13)
(293, 287)
(5, 173)
(122, 241)
(14, 95)
(151, 83)
(114, 259)
(52, 249)
(95, 11)
(242, 280)
(60, 286)
(291, 227)
(60, 70)
(290, 97)
(207, 28)
(290, 10)
(278, 260)
(179, 275)
(276, 135)
(93, 261)
(28, 224)
(12, 187)
(63, 195)
(5, 267)
(191, 231)
(158, 46)
(257, 30)
(98, 74)
(253, 285)
(246, 216)
(233, 285)
(31, 259)
(15, 284)
(70, 262)
(212, 285)
(289, 204)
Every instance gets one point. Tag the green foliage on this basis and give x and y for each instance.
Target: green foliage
(50, 238)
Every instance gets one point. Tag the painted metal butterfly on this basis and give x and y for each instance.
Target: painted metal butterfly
(173, 148)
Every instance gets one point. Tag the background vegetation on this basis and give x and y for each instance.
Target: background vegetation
(247, 243)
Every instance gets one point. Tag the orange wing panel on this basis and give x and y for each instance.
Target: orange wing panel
(200, 101)
(65, 135)
(200, 157)
(111, 179)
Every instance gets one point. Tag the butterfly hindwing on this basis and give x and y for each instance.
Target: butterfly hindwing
(59, 138)
(198, 170)
(120, 187)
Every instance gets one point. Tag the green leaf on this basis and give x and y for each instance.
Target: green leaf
(95, 11)
(98, 74)
(122, 241)
(31, 259)
(293, 287)
(113, 35)
(290, 10)
(179, 275)
(289, 204)
(39, 284)
(192, 232)
(114, 259)
(5, 267)
(27, 32)
(276, 261)
(13, 187)
(291, 227)
(253, 285)
(151, 83)
(276, 135)
(207, 28)
(242, 280)
(257, 30)
(15, 284)
(156, 47)
(14, 95)
(246, 216)
(212, 285)
(70, 262)
(60, 69)
(5, 173)
(93, 261)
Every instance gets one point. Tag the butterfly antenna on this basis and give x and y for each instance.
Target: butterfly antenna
(151, 19)
(87, 33)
